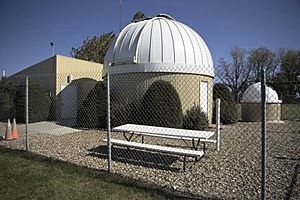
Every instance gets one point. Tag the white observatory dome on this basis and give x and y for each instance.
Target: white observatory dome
(159, 44)
(253, 94)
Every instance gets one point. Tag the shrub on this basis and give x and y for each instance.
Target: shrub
(228, 112)
(195, 119)
(228, 109)
(135, 112)
(92, 112)
(161, 106)
(39, 104)
(119, 114)
(288, 99)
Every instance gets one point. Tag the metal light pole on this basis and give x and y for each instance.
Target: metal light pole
(53, 46)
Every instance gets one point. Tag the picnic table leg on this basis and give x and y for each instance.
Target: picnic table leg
(142, 139)
(128, 138)
(195, 144)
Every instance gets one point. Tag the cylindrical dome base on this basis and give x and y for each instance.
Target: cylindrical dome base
(130, 87)
(251, 112)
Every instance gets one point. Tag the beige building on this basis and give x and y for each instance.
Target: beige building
(66, 80)
(161, 48)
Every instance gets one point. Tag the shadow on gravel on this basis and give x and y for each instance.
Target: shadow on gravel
(287, 158)
(136, 157)
(293, 183)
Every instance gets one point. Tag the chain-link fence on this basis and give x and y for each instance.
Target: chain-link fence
(163, 130)
(156, 117)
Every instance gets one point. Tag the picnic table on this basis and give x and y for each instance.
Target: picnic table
(132, 131)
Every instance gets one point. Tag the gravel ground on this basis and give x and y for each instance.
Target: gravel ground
(232, 173)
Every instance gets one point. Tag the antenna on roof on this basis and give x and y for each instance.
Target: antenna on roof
(120, 16)
(53, 46)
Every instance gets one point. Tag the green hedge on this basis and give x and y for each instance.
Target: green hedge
(7, 99)
(39, 104)
(92, 111)
(12, 102)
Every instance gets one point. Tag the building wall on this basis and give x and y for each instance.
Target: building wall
(77, 68)
(52, 74)
(84, 77)
(251, 112)
(126, 88)
(42, 73)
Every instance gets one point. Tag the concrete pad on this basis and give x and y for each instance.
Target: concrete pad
(47, 128)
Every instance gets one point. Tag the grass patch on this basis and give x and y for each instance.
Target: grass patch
(290, 111)
(28, 176)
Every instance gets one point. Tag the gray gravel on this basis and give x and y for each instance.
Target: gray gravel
(232, 173)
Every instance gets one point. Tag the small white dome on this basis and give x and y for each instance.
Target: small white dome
(159, 44)
(253, 94)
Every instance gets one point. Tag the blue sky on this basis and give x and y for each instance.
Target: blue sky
(27, 27)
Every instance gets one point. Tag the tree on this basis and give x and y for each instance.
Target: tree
(234, 73)
(287, 81)
(139, 15)
(93, 49)
(263, 57)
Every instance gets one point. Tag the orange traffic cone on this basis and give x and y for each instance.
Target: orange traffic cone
(15, 133)
(8, 134)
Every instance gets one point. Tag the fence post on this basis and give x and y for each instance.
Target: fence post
(27, 115)
(108, 124)
(218, 102)
(263, 135)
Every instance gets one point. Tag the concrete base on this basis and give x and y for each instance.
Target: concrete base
(46, 127)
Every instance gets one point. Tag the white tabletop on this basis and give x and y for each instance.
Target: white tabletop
(164, 131)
